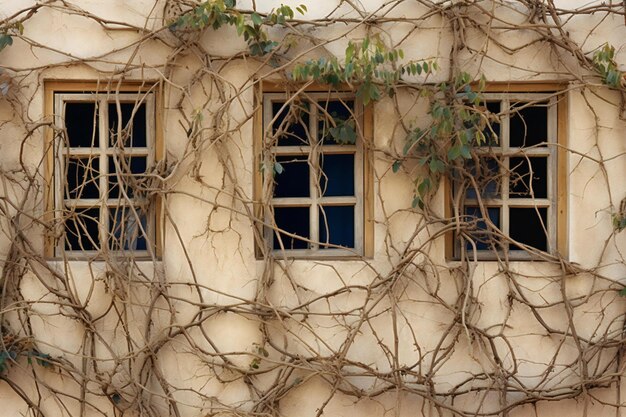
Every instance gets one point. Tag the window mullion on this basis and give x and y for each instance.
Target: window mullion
(314, 174)
(59, 170)
(505, 108)
(359, 190)
(552, 172)
(104, 171)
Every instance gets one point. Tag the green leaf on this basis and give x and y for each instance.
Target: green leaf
(363, 92)
(374, 92)
(424, 187)
(436, 165)
(407, 147)
(240, 26)
(230, 3)
(278, 168)
(396, 166)
(612, 78)
(255, 50)
(482, 83)
(269, 46)
(465, 152)
(256, 19)
(349, 53)
(454, 152)
(622, 292)
(366, 44)
(5, 40)
(480, 137)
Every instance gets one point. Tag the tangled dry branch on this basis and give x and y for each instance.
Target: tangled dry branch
(212, 321)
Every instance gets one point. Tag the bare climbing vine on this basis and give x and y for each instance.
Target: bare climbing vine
(217, 323)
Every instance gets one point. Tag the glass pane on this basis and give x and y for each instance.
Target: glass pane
(337, 177)
(81, 122)
(125, 232)
(520, 181)
(336, 123)
(487, 177)
(528, 126)
(336, 225)
(82, 177)
(293, 220)
(478, 230)
(293, 181)
(525, 226)
(133, 134)
(292, 122)
(81, 229)
(130, 170)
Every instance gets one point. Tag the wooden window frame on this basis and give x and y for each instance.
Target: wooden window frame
(363, 199)
(556, 150)
(56, 94)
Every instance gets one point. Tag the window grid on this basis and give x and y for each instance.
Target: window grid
(505, 152)
(104, 204)
(316, 201)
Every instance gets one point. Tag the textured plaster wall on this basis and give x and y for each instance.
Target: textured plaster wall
(223, 260)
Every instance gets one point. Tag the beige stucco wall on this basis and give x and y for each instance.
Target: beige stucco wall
(212, 230)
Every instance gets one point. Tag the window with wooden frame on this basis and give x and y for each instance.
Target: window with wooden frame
(513, 193)
(100, 149)
(314, 178)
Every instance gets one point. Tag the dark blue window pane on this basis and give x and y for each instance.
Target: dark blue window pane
(477, 228)
(81, 122)
(336, 123)
(130, 170)
(133, 129)
(293, 181)
(520, 179)
(81, 229)
(293, 220)
(293, 123)
(525, 226)
(125, 229)
(82, 177)
(336, 225)
(528, 126)
(337, 177)
(486, 175)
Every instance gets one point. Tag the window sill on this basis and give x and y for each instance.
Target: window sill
(320, 255)
(139, 257)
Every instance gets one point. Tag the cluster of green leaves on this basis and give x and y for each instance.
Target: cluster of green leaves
(6, 357)
(458, 124)
(619, 222)
(262, 352)
(217, 13)
(11, 355)
(344, 131)
(372, 66)
(604, 61)
(7, 33)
